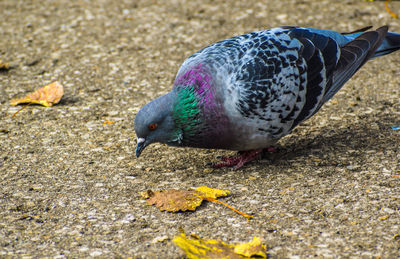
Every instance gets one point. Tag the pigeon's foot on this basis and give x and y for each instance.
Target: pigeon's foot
(240, 160)
(270, 149)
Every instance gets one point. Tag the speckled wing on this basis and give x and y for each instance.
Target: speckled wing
(287, 74)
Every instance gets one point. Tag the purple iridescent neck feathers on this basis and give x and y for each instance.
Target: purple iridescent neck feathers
(198, 111)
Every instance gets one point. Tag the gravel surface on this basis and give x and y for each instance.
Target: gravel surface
(70, 183)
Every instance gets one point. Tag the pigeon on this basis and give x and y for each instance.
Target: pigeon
(247, 92)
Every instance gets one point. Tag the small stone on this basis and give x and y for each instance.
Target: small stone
(96, 253)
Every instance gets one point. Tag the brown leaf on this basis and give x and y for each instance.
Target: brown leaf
(180, 200)
(173, 200)
(46, 96)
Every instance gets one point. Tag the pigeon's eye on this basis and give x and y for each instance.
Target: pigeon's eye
(152, 126)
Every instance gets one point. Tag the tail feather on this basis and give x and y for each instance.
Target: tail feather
(390, 44)
(357, 31)
(353, 55)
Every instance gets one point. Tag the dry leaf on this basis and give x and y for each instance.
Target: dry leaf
(181, 200)
(253, 248)
(207, 192)
(173, 200)
(196, 247)
(46, 96)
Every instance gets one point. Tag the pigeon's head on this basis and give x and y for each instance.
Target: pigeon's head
(155, 123)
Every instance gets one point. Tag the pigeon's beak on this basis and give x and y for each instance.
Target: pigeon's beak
(140, 146)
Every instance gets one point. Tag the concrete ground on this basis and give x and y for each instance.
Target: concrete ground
(70, 183)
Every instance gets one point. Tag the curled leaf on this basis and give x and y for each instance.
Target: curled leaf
(253, 248)
(46, 96)
(196, 247)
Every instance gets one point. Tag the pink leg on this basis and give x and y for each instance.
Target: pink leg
(242, 158)
(270, 149)
(238, 161)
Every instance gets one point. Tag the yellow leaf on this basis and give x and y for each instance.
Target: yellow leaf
(195, 247)
(46, 96)
(207, 192)
(253, 248)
